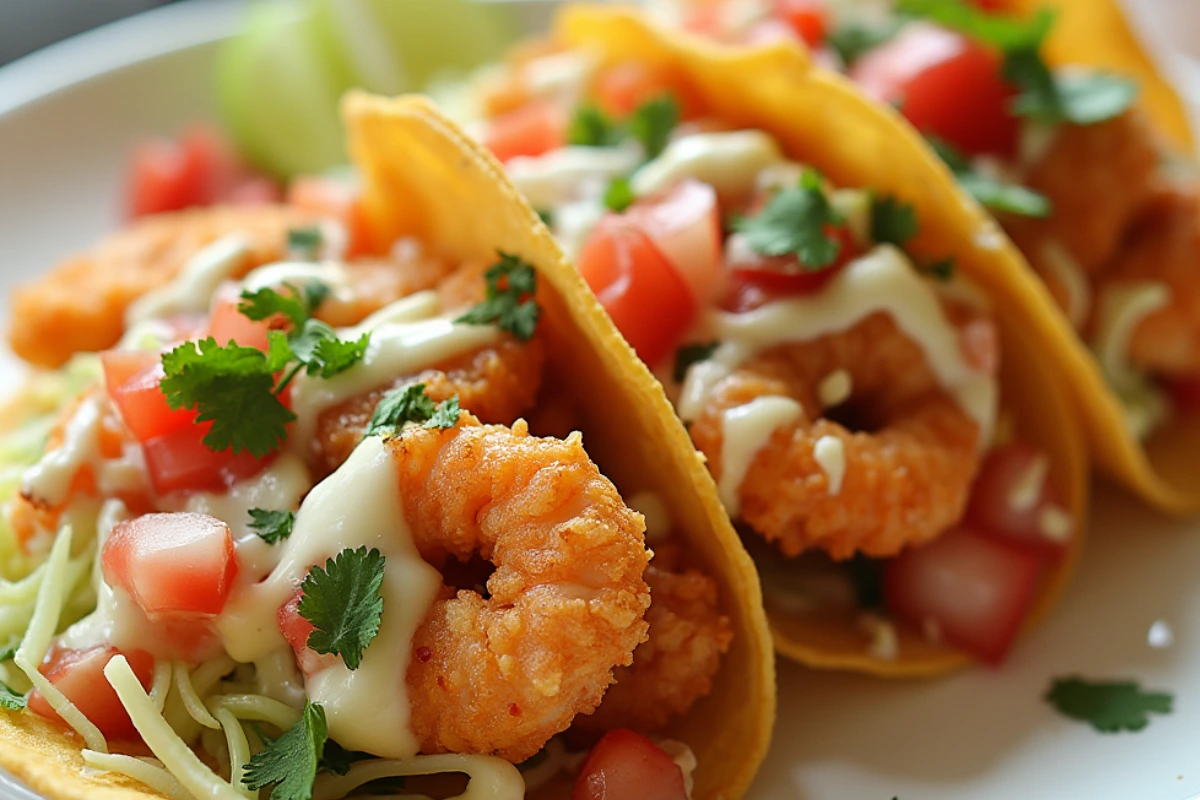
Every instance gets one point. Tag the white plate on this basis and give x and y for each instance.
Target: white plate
(67, 118)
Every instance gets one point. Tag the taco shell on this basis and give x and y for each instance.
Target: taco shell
(424, 177)
(821, 119)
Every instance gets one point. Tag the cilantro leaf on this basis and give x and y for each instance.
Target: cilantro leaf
(546, 216)
(1109, 707)
(290, 762)
(691, 354)
(297, 305)
(10, 700)
(892, 221)
(343, 603)
(509, 304)
(1001, 31)
(852, 40)
(1081, 98)
(411, 404)
(942, 269)
(652, 122)
(232, 387)
(10, 652)
(305, 243)
(619, 195)
(445, 415)
(990, 192)
(317, 346)
(794, 221)
(272, 526)
(591, 127)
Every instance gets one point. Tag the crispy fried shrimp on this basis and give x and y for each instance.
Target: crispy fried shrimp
(496, 384)
(909, 451)
(81, 304)
(675, 666)
(376, 282)
(503, 674)
(1097, 177)
(1163, 246)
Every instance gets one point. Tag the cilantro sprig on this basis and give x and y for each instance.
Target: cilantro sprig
(592, 127)
(343, 603)
(509, 304)
(651, 124)
(990, 192)
(851, 40)
(291, 761)
(892, 220)
(235, 388)
(305, 243)
(411, 404)
(10, 700)
(1081, 98)
(619, 195)
(795, 221)
(1109, 707)
(272, 526)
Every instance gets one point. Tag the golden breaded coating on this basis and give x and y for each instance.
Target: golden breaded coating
(496, 384)
(1163, 246)
(910, 455)
(502, 674)
(1098, 178)
(675, 666)
(81, 304)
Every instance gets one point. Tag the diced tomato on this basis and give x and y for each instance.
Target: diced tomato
(132, 379)
(806, 17)
(296, 629)
(1013, 498)
(976, 589)
(1184, 393)
(531, 130)
(946, 85)
(626, 765)
(979, 341)
(757, 279)
(174, 566)
(685, 225)
(990, 5)
(79, 675)
(338, 200)
(647, 299)
(228, 324)
(180, 461)
(621, 89)
(198, 169)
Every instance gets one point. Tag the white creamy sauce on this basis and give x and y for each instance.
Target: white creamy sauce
(1027, 489)
(885, 642)
(747, 429)
(196, 282)
(299, 274)
(658, 516)
(835, 388)
(358, 505)
(397, 348)
(569, 173)
(1056, 524)
(882, 281)
(1063, 267)
(277, 676)
(116, 620)
(562, 77)
(49, 480)
(728, 161)
(684, 758)
(830, 454)
(279, 487)
(781, 175)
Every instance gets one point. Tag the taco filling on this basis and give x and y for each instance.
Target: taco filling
(292, 532)
(1089, 191)
(845, 395)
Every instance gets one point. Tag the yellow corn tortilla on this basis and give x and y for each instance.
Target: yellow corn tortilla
(820, 118)
(1094, 33)
(424, 177)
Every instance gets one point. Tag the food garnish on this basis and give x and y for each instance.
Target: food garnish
(511, 284)
(794, 220)
(272, 526)
(411, 404)
(343, 603)
(1109, 707)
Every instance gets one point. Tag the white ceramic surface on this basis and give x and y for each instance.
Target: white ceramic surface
(67, 118)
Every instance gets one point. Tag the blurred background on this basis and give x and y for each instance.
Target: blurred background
(27, 25)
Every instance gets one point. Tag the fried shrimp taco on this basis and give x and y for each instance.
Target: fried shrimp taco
(315, 525)
(1050, 114)
(856, 361)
